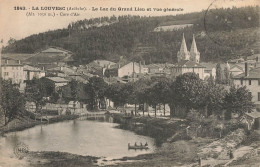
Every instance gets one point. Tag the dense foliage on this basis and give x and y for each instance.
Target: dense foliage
(184, 94)
(221, 34)
(187, 93)
(37, 91)
(238, 100)
(11, 101)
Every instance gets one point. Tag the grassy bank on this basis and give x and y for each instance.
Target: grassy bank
(158, 128)
(25, 123)
(59, 159)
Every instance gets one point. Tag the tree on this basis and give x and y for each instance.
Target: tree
(227, 78)
(12, 101)
(140, 89)
(159, 93)
(187, 91)
(36, 92)
(237, 100)
(120, 93)
(11, 41)
(74, 89)
(213, 98)
(219, 74)
(96, 88)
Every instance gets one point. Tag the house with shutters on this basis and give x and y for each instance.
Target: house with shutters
(250, 79)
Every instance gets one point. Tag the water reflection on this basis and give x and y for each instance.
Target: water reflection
(81, 137)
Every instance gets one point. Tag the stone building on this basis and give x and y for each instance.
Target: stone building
(188, 61)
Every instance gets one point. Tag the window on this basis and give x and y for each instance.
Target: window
(6, 74)
(258, 96)
(258, 81)
(249, 81)
(241, 82)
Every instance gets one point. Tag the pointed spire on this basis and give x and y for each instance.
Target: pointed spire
(193, 48)
(183, 45)
(228, 66)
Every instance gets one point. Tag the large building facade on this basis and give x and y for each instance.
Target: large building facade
(12, 69)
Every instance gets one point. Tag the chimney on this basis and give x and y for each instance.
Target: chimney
(140, 67)
(246, 69)
(133, 67)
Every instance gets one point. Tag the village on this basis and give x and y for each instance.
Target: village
(55, 66)
(54, 87)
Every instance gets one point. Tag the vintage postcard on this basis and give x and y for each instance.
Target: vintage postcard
(129, 83)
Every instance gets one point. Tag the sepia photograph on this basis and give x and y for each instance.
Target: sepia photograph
(129, 83)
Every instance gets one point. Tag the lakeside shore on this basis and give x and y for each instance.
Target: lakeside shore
(22, 124)
(173, 148)
(59, 159)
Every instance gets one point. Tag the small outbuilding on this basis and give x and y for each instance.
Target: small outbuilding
(253, 120)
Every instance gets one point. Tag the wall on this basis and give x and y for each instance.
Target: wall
(254, 88)
(236, 71)
(15, 73)
(128, 69)
(178, 71)
(31, 74)
(60, 84)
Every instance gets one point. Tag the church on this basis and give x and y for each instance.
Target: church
(188, 61)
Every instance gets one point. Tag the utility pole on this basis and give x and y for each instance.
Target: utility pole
(1, 71)
(1, 42)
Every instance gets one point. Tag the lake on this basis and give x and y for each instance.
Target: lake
(82, 137)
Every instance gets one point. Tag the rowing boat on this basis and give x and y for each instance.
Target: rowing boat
(138, 147)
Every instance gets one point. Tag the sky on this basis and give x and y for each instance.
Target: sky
(16, 24)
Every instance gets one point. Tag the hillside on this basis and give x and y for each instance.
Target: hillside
(221, 35)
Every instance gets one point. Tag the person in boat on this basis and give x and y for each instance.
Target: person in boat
(141, 144)
(146, 144)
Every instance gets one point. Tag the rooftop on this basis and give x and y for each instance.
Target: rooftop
(253, 74)
(10, 62)
(57, 79)
(254, 114)
(54, 49)
(31, 68)
(17, 56)
(188, 64)
(254, 57)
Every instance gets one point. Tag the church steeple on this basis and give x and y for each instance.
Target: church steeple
(193, 46)
(183, 45)
(183, 54)
(194, 53)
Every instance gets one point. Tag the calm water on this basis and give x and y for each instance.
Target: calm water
(81, 137)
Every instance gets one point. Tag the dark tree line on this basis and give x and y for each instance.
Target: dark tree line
(230, 33)
(187, 92)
